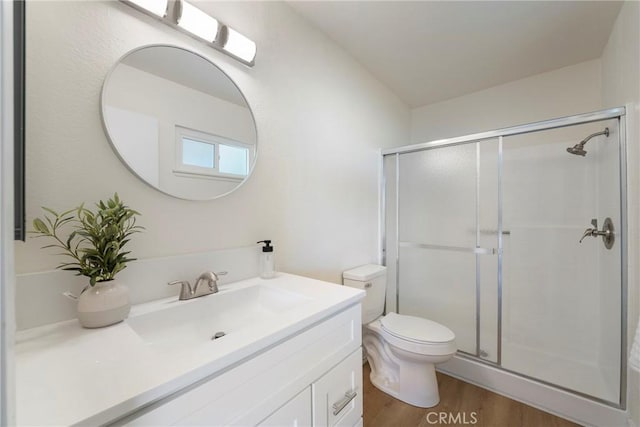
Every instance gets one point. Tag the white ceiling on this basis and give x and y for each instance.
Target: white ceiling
(429, 51)
(187, 69)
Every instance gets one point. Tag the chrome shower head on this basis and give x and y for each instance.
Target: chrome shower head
(579, 150)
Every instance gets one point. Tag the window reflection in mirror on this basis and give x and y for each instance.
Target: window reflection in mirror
(208, 155)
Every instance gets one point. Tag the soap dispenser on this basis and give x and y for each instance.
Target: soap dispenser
(267, 260)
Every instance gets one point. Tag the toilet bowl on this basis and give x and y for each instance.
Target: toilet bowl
(402, 350)
(403, 358)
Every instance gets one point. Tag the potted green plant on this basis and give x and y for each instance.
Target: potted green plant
(95, 242)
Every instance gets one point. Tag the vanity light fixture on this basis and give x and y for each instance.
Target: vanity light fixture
(239, 46)
(190, 19)
(196, 22)
(156, 8)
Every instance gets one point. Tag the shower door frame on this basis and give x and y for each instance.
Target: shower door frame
(618, 113)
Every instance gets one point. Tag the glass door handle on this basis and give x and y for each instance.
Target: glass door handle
(504, 232)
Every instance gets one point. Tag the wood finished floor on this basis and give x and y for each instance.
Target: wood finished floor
(491, 409)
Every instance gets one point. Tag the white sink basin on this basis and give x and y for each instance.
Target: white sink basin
(183, 324)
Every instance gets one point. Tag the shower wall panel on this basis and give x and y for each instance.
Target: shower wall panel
(558, 306)
(549, 279)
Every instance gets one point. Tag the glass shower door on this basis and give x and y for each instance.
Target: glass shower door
(499, 236)
(446, 241)
(561, 297)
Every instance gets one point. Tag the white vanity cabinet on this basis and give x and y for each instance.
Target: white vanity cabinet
(312, 378)
(335, 399)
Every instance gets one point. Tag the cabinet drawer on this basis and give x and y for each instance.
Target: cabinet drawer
(294, 413)
(337, 395)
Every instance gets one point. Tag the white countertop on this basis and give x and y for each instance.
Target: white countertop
(68, 375)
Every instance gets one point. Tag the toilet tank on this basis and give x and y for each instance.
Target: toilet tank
(371, 278)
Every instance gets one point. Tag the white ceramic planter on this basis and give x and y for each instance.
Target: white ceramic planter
(104, 304)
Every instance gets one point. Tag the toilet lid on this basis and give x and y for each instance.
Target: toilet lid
(416, 328)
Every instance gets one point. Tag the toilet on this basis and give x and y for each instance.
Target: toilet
(402, 350)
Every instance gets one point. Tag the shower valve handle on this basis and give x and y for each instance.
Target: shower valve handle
(593, 232)
(589, 232)
(607, 232)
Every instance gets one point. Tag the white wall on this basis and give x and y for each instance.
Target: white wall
(621, 85)
(321, 120)
(563, 92)
(135, 137)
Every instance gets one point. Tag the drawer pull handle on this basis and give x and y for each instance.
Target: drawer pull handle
(342, 403)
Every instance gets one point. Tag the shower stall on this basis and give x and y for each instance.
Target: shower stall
(515, 239)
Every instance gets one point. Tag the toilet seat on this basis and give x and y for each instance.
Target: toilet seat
(416, 329)
(419, 330)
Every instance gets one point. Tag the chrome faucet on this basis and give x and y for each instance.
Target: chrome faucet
(206, 284)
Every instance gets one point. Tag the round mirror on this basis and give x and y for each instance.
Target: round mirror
(179, 122)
